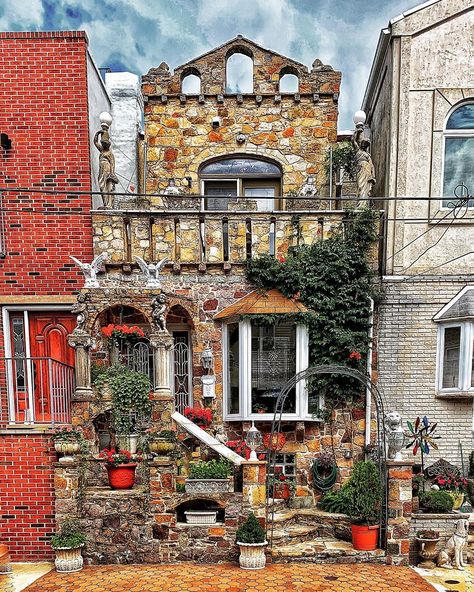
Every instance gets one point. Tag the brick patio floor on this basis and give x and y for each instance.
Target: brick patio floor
(189, 577)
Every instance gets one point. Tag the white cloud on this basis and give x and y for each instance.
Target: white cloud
(16, 13)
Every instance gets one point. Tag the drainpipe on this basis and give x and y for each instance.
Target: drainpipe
(368, 394)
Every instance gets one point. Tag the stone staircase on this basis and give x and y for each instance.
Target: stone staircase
(312, 536)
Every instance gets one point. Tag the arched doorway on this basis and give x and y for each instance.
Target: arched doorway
(375, 395)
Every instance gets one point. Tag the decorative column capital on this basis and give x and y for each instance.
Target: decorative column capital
(161, 340)
(80, 339)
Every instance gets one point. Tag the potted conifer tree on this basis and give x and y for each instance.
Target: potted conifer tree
(364, 498)
(252, 541)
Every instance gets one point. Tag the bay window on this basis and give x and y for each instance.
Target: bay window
(455, 358)
(258, 362)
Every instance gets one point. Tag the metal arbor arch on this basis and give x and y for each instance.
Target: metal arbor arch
(375, 394)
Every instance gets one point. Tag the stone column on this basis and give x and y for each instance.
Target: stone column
(66, 491)
(254, 473)
(82, 342)
(163, 403)
(400, 508)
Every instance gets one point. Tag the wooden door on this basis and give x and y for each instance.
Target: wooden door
(48, 340)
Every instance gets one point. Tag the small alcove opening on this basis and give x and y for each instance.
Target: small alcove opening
(199, 505)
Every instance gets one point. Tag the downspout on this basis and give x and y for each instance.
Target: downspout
(368, 392)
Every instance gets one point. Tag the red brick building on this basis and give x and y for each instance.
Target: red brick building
(50, 97)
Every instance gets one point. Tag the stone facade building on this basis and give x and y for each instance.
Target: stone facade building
(420, 106)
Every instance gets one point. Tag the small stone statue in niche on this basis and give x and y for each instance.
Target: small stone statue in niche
(107, 177)
(365, 171)
(158, 311)
(79, 308)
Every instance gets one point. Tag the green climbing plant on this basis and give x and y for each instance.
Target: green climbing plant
(334, 279)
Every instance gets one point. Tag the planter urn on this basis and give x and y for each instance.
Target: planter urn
(122, 476)
(252, 555)
(67, 450)
(428, 552)
(68, 560)
(161, 447)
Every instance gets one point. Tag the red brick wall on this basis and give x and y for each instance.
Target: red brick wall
(44, 110)
(27, 496)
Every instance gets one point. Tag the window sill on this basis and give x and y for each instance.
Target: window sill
(20, 430)
(269, 417)
(468, 395)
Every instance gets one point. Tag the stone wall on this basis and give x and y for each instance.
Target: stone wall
(407, 344)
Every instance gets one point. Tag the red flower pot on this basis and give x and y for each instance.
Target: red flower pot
(281, 491)
(365, 538)
(122, 476)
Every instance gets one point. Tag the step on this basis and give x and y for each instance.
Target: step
(324, 550)
(294, 532)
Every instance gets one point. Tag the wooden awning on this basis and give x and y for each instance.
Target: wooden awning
(260, 302)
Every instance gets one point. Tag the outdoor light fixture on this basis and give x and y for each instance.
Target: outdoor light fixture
(359, 119)
(253, 439)
(207, 358)
(105, 120)
(216, 121)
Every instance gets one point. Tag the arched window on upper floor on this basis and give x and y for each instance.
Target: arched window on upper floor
(459, 152)
(239, 73)
(289, 81)
(191, 82)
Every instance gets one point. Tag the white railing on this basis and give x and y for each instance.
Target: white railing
(35, 391)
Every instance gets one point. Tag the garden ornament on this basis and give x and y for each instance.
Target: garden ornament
(151, 271)
(158, 311)
(107, 177)
(365, 171)
(455, 547)
(90, 269)
(395, 435)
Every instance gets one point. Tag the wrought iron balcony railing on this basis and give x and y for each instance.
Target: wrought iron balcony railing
(35, 390)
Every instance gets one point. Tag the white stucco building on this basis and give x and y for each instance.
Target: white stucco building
(420, 110)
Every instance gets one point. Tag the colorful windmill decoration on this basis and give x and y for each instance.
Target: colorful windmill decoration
(421, 437)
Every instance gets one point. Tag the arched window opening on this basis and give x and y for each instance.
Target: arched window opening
(289, 83)
(459, 152)
(239, 74)
(227, 180)
(191, 85)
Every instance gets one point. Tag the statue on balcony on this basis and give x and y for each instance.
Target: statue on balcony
(107, 177)
(90, 269)
(79, 308)
(151, 271)
(158, 311)
(364, 167)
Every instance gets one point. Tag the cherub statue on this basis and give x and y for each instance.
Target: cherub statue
(151, 271)
(365, 171)
(107, 177)
(90, 269)
(158, 311)
(79, 308)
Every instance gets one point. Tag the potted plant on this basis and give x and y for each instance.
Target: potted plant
(162, 443)
(251, 539)
(209, 477)
(259, 408)
(67, 442)
(364, 499)
(68, 544)
(427, 541)
(120, 468)
(199, 415)
(454, 485)
(436, 502)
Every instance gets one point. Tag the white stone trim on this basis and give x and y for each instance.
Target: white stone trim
(465, 358)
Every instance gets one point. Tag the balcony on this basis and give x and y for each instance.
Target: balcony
(35, 391)
(190, 236)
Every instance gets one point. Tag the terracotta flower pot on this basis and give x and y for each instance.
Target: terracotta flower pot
(122, 476)
(365, 538)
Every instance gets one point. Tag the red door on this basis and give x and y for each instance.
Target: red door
(48, 344)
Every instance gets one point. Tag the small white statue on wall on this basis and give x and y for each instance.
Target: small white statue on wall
(456, 546)
(395, 435)
(151, 271)
(90, 269)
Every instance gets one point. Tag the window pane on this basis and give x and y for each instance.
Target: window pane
(273, 364)
(240, 166)
(222, 191)
(452, 341)
(263, 205)
(458, 159)
(462, 118)
(233, 368)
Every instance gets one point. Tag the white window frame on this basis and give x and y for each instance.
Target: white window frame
(452, 133)
(245, 376)
(465, 358)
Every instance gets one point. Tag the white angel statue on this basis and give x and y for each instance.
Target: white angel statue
(151, 271)
(90, 269)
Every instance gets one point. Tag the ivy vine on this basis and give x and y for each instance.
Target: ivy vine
(333, 278)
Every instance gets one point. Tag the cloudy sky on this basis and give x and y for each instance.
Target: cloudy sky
(136, 35)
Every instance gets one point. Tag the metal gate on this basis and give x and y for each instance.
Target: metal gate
(381, 455)
(181, 366)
